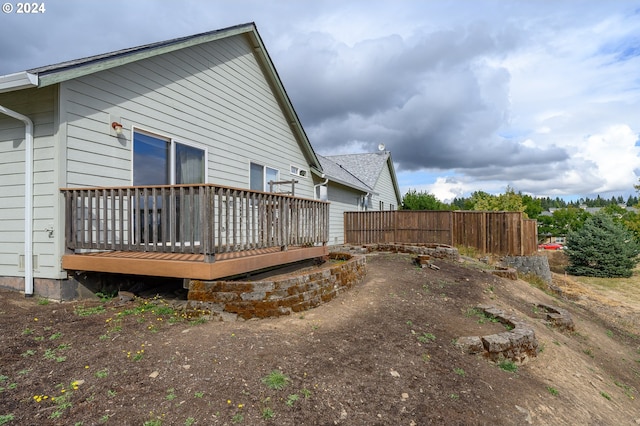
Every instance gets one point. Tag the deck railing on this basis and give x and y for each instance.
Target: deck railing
(202, 219)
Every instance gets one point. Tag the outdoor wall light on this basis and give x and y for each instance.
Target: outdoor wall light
(117, 127)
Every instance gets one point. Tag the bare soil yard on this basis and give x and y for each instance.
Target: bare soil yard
(381, 354)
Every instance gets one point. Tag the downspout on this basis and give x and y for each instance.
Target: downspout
(315, 187)
(28, 198)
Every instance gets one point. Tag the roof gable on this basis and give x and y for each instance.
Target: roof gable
(365, 168)
(68, 70)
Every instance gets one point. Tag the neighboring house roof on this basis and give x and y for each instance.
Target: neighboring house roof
(52, 74)
(337, 173)
(367, 167)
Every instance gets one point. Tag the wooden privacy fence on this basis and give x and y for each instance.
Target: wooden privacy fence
(203, 219)
(502, 233)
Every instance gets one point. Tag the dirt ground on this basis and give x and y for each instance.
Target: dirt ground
(381, 354)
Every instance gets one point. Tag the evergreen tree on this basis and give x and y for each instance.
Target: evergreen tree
(602, 248)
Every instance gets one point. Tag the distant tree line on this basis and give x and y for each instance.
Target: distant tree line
(605, 243)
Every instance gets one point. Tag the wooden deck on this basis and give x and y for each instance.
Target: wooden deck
(185, 265)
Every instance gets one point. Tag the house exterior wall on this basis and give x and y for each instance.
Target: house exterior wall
(384, 197)
(342, 199)
(40, 105)
(214, 94)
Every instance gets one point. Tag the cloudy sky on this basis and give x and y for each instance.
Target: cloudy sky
(543, 96)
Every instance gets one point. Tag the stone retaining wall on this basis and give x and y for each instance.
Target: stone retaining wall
(436, 251)
(279, 295)
(517, 344)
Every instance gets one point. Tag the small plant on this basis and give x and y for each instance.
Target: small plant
(291, 399)
(605, 395)
(459, 372)
(81, 311)
(609, 333)
(154, 422)
(111, 393)
(267, 413)
(6, 418)
(197, 321)
(508, 365)
(426, 337)
(55, 336)
(553, 391)
(589, 352)
(237, 418)
(171, 394)
(101, 374)
(105, 297)
(306, 393)
(199, 394)
(27, 331)
(42, 301)
(276, 380)
(62, 403)
(28, 353)
(189, 421)
(454, 396)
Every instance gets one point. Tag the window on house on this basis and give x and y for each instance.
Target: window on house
(381, 206)
(295, 170)
(159, 160)
(392, 207)
(260, 176)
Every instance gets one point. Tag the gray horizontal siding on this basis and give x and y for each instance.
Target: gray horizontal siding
(384, 191)
(39, 106)
(214, 94)
(343, 199)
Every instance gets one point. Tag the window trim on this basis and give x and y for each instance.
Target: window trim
(264, 174)
(300, 172)
(172, 152)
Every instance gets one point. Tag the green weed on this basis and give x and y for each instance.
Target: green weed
(291, 399)
(508, 365)
(426, 337)
(171, 394)
(459, 372)
(55, 336)
(6, 418)
(267, 413)
(276, 380)
(81, 311)
(553, 391)
(605, 395)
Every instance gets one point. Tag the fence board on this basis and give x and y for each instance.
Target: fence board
(502, 233)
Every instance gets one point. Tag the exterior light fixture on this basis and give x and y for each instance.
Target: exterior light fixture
(117, 127)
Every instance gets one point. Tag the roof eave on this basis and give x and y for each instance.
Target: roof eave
(294, 121)
(100, 64)
(350, 185)
(18, 81)
(394, 178)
